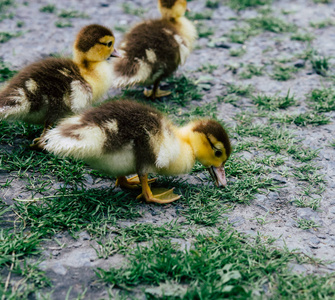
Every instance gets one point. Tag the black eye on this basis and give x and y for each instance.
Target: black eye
(218, 153)
(110, 44)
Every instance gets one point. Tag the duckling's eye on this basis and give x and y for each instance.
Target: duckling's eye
(218, 153)
(109, 44)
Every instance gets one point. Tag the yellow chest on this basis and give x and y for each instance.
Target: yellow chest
(100, 78)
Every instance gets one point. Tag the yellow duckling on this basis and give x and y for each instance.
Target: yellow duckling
(49, 89)
(154, 49)
(124, 137)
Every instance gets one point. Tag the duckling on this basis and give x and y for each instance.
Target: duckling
(125, 137)
(154, 49)
(48, 90)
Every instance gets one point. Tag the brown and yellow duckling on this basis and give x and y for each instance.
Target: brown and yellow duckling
(124, 137)
(154, 49)
(50, 89)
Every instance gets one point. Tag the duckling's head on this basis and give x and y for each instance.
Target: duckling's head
(94, 43)
(211, 146)
(172, 9)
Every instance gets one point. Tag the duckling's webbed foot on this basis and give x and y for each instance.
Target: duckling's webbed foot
(161, 195)
(37, 144)
(130, 183)
(158, 94)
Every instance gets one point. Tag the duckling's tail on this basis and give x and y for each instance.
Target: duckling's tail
(126, 72)
(13, 106)
(75, 139)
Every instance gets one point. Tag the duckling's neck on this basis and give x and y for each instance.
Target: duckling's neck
(185, 160)
(96, 73)
(185, 28)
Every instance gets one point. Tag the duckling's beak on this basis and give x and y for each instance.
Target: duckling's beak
(115, 53)
(218, 175)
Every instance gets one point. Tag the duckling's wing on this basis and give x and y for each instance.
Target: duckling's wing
(45, 90)
(72, 137)
(150, 50)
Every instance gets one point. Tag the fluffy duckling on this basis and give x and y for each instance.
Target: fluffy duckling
(124, 137)
(49, 89)
(154, 49)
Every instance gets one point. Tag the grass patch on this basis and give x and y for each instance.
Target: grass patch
(322, 100)
(251, 70)
(240, 34)
(274, 102)
(305, 202)
(63, 24)
(303, 119)
(70, 14)
(283, 72)
(204, 15)
(5, 72)
(6, 36)
(212, 4)
(320, 64)
(121, 28)
(203, 30)
(268, 22)
(307, 224)
(50, 8)
(131, 9)
(237, 52)
(302, 36)
(73, 210)
(208, 68)
(15, 250)
(218, 266)
(4, 6)
(323, 23)
(243, 4)
(240, 90)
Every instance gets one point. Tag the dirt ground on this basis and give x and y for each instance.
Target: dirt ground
(271, 214)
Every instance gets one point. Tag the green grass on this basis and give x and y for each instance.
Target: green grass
(73, 210)
(322, 100)
(15, 250)
(306, 224)
(305, 202)
(267, 22)
(131, 9)
(204, 15)
(6, 36)
(4, 6)
(237, 52)
(243, 4)
(121, 28)
(212, 4)
(320, 64)
(208, 68)
(5, 71)
(203, 30)
(70, 14)
(240, 90)
(274, 102)
(251, 70)
(50, 8)
(303, 119)
(302, 36)
(63, 24)
(283, 72)
(240, 34)
(323, 23)
(218, 266)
